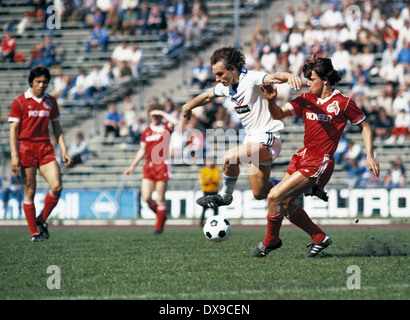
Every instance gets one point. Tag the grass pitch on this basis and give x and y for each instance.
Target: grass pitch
(182, 265)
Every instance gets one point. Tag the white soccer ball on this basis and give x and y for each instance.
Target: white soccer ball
(217, 228)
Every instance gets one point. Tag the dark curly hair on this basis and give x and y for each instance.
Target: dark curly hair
(323, 68)
(38, 72)
(230, 56)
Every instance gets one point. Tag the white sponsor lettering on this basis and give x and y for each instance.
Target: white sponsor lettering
(41, 113)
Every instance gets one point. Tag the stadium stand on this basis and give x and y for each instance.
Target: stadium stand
(109, 157)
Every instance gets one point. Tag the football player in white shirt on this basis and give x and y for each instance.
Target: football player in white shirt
(262, 143)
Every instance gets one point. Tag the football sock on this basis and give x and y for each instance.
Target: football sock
(50, 201)
(161, 212)
(228, 188)
(152, 205)
(272, 233)
(300, 218)
(30, 213)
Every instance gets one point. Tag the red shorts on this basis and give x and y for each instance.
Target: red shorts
(156, 172)
(312, 165)
(36, 154)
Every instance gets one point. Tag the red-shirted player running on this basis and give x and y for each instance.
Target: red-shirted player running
(31, 149)
(325, 112)
(156, 170)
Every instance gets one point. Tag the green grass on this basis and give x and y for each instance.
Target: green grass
(181, 264)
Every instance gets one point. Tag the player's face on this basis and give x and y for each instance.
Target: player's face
(155, 119)
(39, 86)
(224, 76)
(315, 84)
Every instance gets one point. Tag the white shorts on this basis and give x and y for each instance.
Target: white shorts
(270, 139)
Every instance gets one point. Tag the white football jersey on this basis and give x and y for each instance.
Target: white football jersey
(249, 103)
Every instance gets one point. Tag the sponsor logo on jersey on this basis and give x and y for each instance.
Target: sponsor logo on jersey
(41, 113)
(318, 117)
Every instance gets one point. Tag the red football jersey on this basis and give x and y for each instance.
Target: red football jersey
(325, 119)
(34, 115)
(156, 140)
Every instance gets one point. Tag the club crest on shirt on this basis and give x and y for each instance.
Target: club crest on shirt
(47, 104)
(333, 107)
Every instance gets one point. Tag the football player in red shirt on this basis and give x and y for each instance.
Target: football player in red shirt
(156, 170)
(31, 149)
(325, 112)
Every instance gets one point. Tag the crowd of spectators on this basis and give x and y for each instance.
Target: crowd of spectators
(175, 22)
(373, 55)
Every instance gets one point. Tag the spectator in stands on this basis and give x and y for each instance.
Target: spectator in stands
(143, 15)
(128, 4)
(8, 47)
(129, 117)
(137, 60)
(393, 73)
(48, 54)
(269, 59)
(210, 177)
(403, 56)
(340, 60)
(276, 37)
(388, 55)
(112, 121)
(78, 150)
(296, 61)
(302, 16)
(367, 62)
(113, 20)
(401, 101)
(98, 38)
(121, 53)
(129, 22)
(342, 149)
(401, 128)
(175, 41)
(137, 129)
(385, 98)
(201, 74)
(354, 151)
(361, 89)
(38, 8)
(79, 85)
(395, 177)
(354, 171)
(196, 25)
(384, 125)
(95, 83)
(14, 189)
(155, 20)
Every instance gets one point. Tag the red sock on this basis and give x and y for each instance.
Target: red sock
(50, 201)
(272, 234)
(300, 218)
(30, 213)
(153, 205)
(161, 211)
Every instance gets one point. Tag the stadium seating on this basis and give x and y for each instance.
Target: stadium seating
(109, 158)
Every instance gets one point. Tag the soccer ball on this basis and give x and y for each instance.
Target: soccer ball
(217, 228)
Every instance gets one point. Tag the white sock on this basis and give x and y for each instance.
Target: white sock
(229, 184)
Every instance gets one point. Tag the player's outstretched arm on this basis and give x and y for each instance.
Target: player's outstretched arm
(200, 100)
(367, 136)
(284, 77)
(138, 157)
(276, 112)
